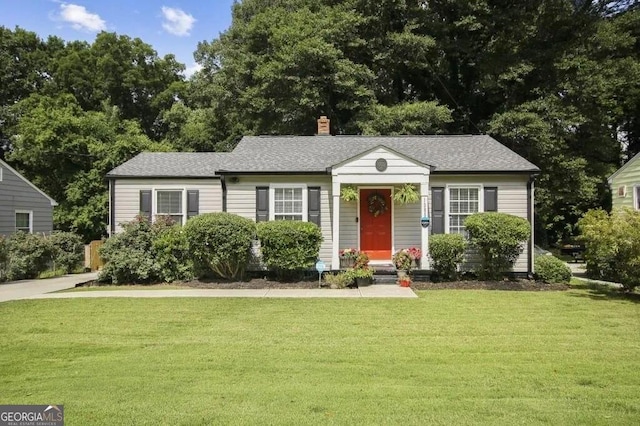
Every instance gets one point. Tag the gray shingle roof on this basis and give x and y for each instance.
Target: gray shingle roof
(467, 153)
(311, 154)
(171, 164)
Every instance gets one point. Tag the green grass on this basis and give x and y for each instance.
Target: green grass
(449, 357)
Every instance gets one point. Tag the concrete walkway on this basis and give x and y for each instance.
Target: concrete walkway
(28, 288)
(373, 291)
(579, 271)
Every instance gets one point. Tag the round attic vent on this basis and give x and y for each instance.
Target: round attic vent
(381, 164)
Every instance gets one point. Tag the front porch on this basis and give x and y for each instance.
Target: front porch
(375, 224)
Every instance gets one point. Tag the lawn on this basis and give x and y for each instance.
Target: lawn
(449, 357)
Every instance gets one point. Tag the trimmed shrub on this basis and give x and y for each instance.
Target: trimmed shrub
(447, 252)
(171, 249)
(68, 250)
(28, 255)
(220, 243)
(552, 270)
(289, 247)
(499, 239)
(338, 280)
(612, 246)
(4, 258)
(129, 256)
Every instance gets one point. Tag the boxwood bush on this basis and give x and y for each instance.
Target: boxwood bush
(289, 247)
(499, 239)
(550, 269)
(220, 243)
(447, 252)
(171, 250)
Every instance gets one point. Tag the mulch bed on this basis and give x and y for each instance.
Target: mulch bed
(264, 283)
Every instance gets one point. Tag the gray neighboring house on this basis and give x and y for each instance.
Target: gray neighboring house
(23, 207)
(301, 177)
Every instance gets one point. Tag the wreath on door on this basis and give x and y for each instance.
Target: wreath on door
(377, 204)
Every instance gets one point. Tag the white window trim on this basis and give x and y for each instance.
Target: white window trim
(154, 201)
(272, 199)
(0, 173)
(446, 200)
(30, 213)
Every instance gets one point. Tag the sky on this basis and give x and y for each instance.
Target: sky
(169, 26)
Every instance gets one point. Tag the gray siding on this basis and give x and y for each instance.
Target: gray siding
(16, 194)
(241, 200)
(406, 227)
(512, 198)
(127, 195)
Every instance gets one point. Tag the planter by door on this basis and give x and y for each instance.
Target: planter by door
(363, 281)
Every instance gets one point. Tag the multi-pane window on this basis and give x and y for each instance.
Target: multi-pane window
(23, 221)
(288, 204)
(169, 203)
(463, 202)
(637, 198)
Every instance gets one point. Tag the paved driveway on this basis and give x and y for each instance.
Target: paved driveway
(28, 288)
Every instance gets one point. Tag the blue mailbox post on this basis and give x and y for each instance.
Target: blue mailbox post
(320, 268)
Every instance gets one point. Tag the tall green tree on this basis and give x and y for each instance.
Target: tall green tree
(67, 152)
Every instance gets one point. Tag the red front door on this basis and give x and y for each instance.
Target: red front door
(375, 223)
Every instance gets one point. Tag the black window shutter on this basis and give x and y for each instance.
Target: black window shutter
(437, 210)
(314, 205)
(193, 203)
(490, 199)
(145, 204)
(262, 203)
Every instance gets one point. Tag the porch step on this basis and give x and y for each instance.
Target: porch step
(385, 278)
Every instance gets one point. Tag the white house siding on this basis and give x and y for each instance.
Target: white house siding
(407, 227)
(627, 179)
(512, 198)
(366, 164)
(348, 224)
(127, 195)
(241, 200)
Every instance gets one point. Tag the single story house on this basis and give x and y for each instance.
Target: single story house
(301, 177)
(23, 207)
(625, 185)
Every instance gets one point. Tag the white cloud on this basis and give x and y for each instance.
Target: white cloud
(192, 69)
(80, 18)
(176, 21)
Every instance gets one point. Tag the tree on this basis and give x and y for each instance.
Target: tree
(67, 152)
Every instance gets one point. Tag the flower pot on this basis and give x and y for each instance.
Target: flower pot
(405, 283)
(415, 264)
(363, 281)
(347, 263)
(402, 274)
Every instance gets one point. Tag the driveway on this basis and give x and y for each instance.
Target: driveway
(28, 288)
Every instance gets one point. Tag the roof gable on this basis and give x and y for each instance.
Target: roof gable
(623, 168)
(28, 182)
(381, 150)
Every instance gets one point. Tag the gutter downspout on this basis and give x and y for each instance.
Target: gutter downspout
(530, 216)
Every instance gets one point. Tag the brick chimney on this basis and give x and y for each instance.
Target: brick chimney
(323, 126)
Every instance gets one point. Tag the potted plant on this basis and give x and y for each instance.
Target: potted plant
(349, 193)
(348, 258)
(362, 276)
(402, 261)
(405, 281)
(416, 254)
(406, 194)
(361, 261)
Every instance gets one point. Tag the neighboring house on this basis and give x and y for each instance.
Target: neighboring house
(300, 178)
(23, 207)
(625, 185)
